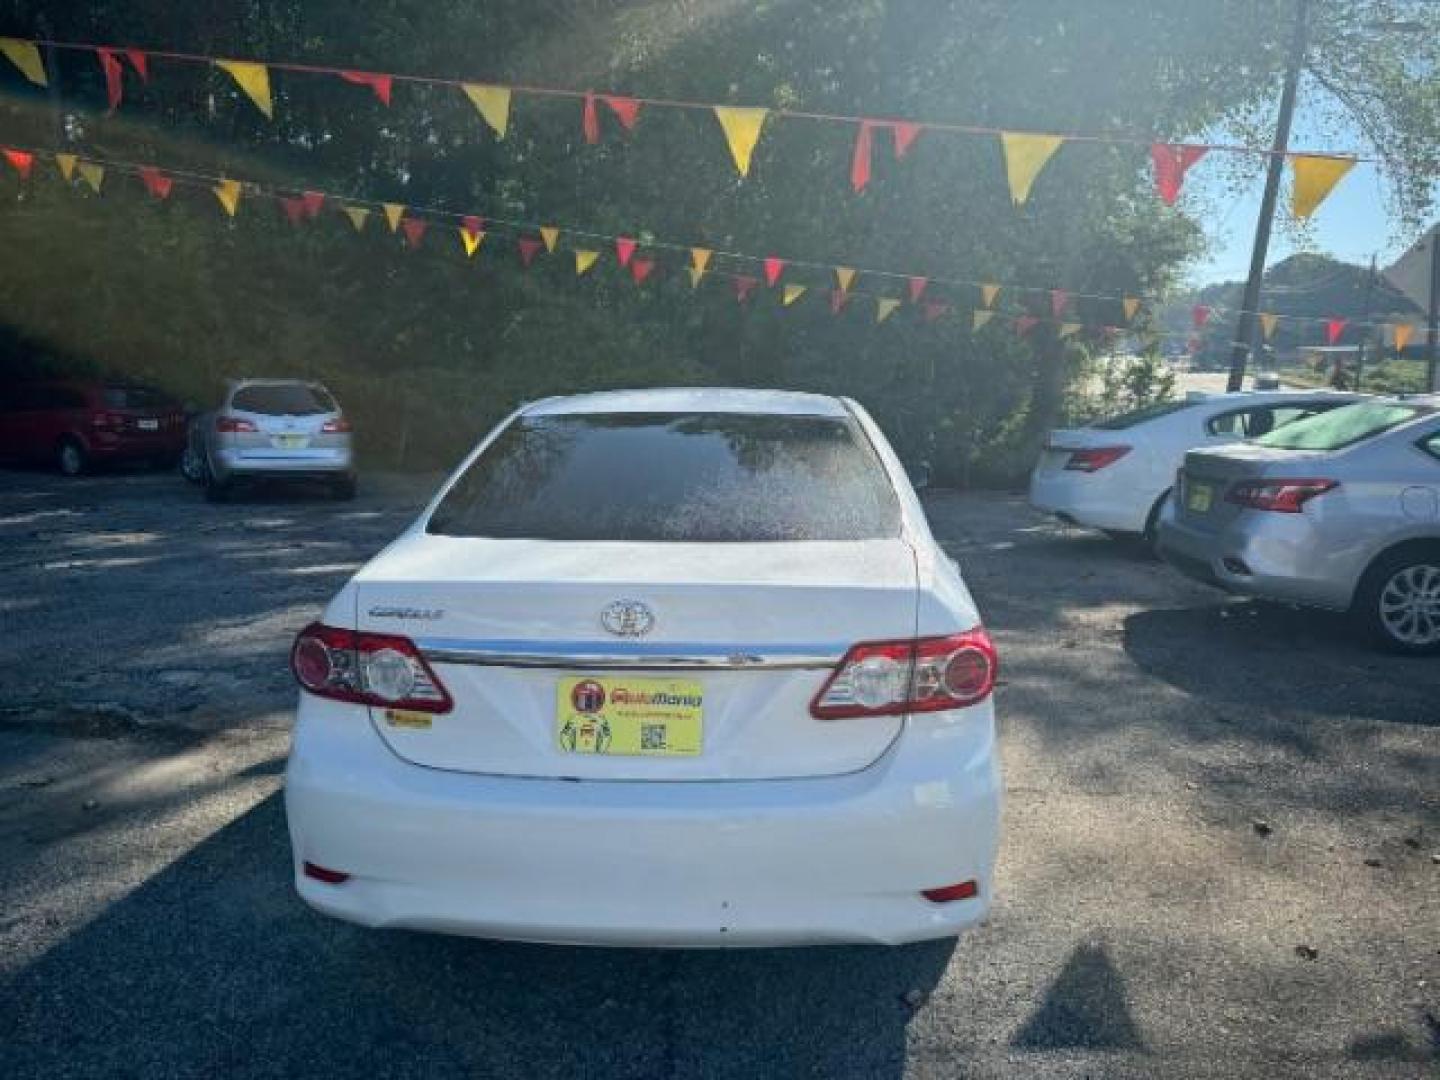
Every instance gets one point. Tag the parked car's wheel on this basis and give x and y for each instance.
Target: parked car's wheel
(344, 489)
(1398, 602)
(70, 457)
(192, 466)
(1151, 536)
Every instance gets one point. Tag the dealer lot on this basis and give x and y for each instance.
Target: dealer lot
(1221, 852)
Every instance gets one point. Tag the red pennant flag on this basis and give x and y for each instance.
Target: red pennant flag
(414, 230)
(590, 121)
(626, 110)
(904, 132)
(312, 201)
(1024, 324)
(1059, 301)
(380, 84)
(1172, 162)
(472, 225)
(838, 299)
(934, 309)
(917, 288)
(294, 209)
(114, 85)
(528, 245)
(640, 269)
(744, 284)
(1333, 329)
(22, 162)
(624, 248)
(773, 269)
(1199, 315)
(860, 162)
(139, 62)
(156, 182)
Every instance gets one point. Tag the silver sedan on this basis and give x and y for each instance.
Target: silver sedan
(1338, 511)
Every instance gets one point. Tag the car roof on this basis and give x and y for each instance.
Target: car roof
(698, 399)
(237, 383)
(1241, 397)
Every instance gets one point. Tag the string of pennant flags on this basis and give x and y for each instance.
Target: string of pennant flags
(933, 298)
(1025, 153)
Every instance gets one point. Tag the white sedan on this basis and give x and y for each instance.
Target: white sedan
(1116, 474)
(668, 667)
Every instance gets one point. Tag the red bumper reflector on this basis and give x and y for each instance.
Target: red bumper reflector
(962, 891)
(329, 877)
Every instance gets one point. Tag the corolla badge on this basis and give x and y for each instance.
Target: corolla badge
(627, 618)
(406, 613)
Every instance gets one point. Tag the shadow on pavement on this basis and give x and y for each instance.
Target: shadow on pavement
(214, 967)
(1086, 1007)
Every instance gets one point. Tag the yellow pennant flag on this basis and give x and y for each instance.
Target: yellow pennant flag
(493, 102)
(254, 79)
(700, 259)
(92, 174)
(1131, 305)
(472, 241)
(393, 213)
(1267, 324)
(1403, 333)
(885, 307)
(228, 192)
(988, 293)
(358, 215)
(791, 293)
(550, 235)
(695, 276)
(1315, 177)
(584, 260)
(1025, 156)
(742, 132)
(25, 56)
(980, 318)
(1068, 328)
(67, 164)
(844, 277)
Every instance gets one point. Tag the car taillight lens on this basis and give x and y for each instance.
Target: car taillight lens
(1281, 496)
(338, 426)
(106, 420)
(369, 669)
(1095, 458)
(231, 425)
(890, 678)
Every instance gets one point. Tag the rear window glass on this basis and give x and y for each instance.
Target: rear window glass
(1139, 416)
(134, 397)
(1342, 427)
(287, 399)
(665, 477)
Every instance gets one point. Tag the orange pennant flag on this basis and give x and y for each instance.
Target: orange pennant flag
(791, 293)
(700, 259)
(980, 318)
(988, 293)
(1268, 322)
(228, 192)
(1315, 177)
(493, 104)
(67, 164)
(92, 174)
(1403, 333)
(25, 56)
(1025, 156)
(844, 277)
(1131, 304)
(742, 132)
(254, 79)
(358, 215)
(885, 307)
(551, 236)
(393, 213)
(584, 260)
(695, 276)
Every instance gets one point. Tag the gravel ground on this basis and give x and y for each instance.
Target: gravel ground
(1222, 849)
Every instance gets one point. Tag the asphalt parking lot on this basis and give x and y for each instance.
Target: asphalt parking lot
(1221, 852)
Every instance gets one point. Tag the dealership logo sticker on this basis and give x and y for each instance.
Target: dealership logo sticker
(588, 696)
(627, 618)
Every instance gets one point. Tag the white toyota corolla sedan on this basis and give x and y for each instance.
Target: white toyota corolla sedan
(664, 667)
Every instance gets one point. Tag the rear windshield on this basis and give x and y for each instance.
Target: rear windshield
(283, 399)
(1139, 416)
(134, 397)
(666, 477)
(1342, 427)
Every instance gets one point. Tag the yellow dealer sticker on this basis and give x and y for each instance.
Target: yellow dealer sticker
(634, 717)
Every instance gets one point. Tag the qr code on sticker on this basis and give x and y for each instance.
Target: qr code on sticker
(652, 736)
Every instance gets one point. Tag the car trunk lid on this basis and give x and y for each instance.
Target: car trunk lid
(1209, 474)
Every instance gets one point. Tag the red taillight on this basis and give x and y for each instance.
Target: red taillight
(385, 670)
(233, 425)
(1282, 496)
(338, 426)
(106, 420)
(1095, 458)
(962, 890)
(891, 678)
(325, 874)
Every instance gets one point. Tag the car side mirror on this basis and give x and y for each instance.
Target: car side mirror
(919, 473)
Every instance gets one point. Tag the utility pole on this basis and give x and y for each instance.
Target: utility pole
(1245, 330)
(1365, 328)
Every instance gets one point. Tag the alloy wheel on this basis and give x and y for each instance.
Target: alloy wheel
(1410, 605)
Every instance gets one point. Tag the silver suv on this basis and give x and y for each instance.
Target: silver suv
(271, 429)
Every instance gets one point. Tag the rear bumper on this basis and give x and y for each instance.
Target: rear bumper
(1091, 499)
(319, 462)
(779, 862)
(102, 446)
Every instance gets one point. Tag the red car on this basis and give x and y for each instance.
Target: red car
(79, 424)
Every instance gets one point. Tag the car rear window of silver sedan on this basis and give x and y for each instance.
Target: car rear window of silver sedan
(282, 399)
(1342, 427)
(656, 477)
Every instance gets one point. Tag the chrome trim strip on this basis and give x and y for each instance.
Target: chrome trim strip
(599, 655)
